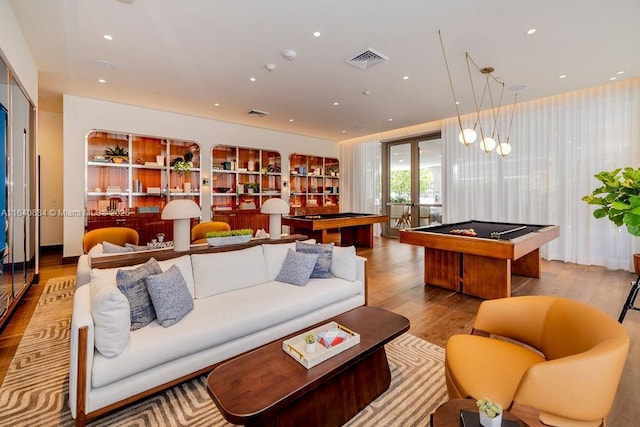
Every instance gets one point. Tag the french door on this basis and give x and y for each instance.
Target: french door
(412, 183)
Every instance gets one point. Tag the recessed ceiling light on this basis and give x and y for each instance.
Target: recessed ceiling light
(102, 81)
(290, 120)
(405, 78)
(457, 102)
(316, 34)
(390, 120)
(253, 79)
(336, 103)
(531, 31)
(563, 76)
(216, 105)
(108, 37)
(344, 131)
(620, 72)
(612, 78)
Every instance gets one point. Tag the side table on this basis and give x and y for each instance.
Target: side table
(448, 414)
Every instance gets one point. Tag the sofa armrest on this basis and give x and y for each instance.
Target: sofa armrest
(83, 273)
(81, 318)
(361, 275)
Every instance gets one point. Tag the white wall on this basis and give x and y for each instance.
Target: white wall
(81, 115)
(16, 51)
(51, 188)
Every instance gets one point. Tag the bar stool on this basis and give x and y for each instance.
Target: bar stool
(633, 292)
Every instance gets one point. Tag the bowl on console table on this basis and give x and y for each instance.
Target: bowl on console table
(221, 189)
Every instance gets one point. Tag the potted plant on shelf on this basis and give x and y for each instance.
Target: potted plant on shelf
(183, 165)
(310, 343)
(117, 154)
(160, 237)
(618, 198)
(220, 238)
(490, 413)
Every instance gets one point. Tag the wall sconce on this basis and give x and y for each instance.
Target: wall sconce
(205, 181)
(275, 207)
(181, 211)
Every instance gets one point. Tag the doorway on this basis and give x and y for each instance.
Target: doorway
(412, 183)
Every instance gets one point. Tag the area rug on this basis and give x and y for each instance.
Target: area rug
(35, 389)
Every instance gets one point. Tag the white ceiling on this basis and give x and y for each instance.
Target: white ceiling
(186, 55)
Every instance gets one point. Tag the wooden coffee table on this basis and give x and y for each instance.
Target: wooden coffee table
(448, 414)
(267, 387)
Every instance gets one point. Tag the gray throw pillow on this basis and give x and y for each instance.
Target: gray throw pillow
(322, 269)
(297, 268)
(132, 284)
(170, 296)
(110, 248)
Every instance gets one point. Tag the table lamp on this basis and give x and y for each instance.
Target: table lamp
(275, 207)
(181, 211)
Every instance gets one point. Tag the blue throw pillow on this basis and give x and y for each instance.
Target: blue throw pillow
(132, 284)
(322, 269)
(297, 268)
(170, 296)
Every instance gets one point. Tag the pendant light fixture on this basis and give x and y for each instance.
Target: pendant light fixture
(468, 136)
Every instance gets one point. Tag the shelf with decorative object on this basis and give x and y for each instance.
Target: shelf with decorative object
(314, 183)
(133, 176)
(242, 179)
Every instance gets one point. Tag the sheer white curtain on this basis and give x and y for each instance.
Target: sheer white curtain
(360, 177)
(559, 143)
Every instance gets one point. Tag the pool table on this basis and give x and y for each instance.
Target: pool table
(480, 264)
(355, 228)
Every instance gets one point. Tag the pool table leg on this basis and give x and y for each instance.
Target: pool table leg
(528, 265)
(486, 277)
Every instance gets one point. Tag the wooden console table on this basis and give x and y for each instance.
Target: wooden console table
(133, 258)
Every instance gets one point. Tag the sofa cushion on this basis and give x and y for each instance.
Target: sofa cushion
(343, 263)
(110, 248)
(170, 296)
(132, 284)
(111, 318)
(297, 268)
(220, 272)
(274, 255)
(322, 269)
(215, 321)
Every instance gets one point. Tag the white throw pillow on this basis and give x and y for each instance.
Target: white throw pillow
(343, 263)
(111, 318)
(221, 272)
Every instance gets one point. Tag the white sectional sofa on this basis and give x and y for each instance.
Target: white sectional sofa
(238, 306)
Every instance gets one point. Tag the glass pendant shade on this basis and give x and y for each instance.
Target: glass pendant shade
(467, 136)
(488, 144)
(504, 149)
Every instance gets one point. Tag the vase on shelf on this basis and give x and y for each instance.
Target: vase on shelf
(187, 187)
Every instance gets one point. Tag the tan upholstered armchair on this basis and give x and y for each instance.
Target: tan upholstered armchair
(199, 231)
(116, 235)
(569, 373)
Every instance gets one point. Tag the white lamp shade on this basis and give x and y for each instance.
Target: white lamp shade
(504, 149)
(467, 136)
(180, 211)
(488, 144)
(275, 206)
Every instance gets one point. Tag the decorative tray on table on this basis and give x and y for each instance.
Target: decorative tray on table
(331, 339)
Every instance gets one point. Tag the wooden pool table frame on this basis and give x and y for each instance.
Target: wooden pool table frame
(354, 230)
(478, 266)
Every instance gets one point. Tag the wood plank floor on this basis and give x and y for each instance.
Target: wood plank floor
(395, 283)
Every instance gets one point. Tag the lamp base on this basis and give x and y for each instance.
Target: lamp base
(181, 235)
(275, 226)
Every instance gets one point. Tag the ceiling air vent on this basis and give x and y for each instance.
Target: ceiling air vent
(257, 113)
(366, 59)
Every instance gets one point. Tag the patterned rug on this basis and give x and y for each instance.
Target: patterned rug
(35, 389)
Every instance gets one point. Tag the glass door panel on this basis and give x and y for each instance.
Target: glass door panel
(430, 180)
(400, 188)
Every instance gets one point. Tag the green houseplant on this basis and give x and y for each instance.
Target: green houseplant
(117, 154)
(220, 238)
(490, 413)
(618, 198)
